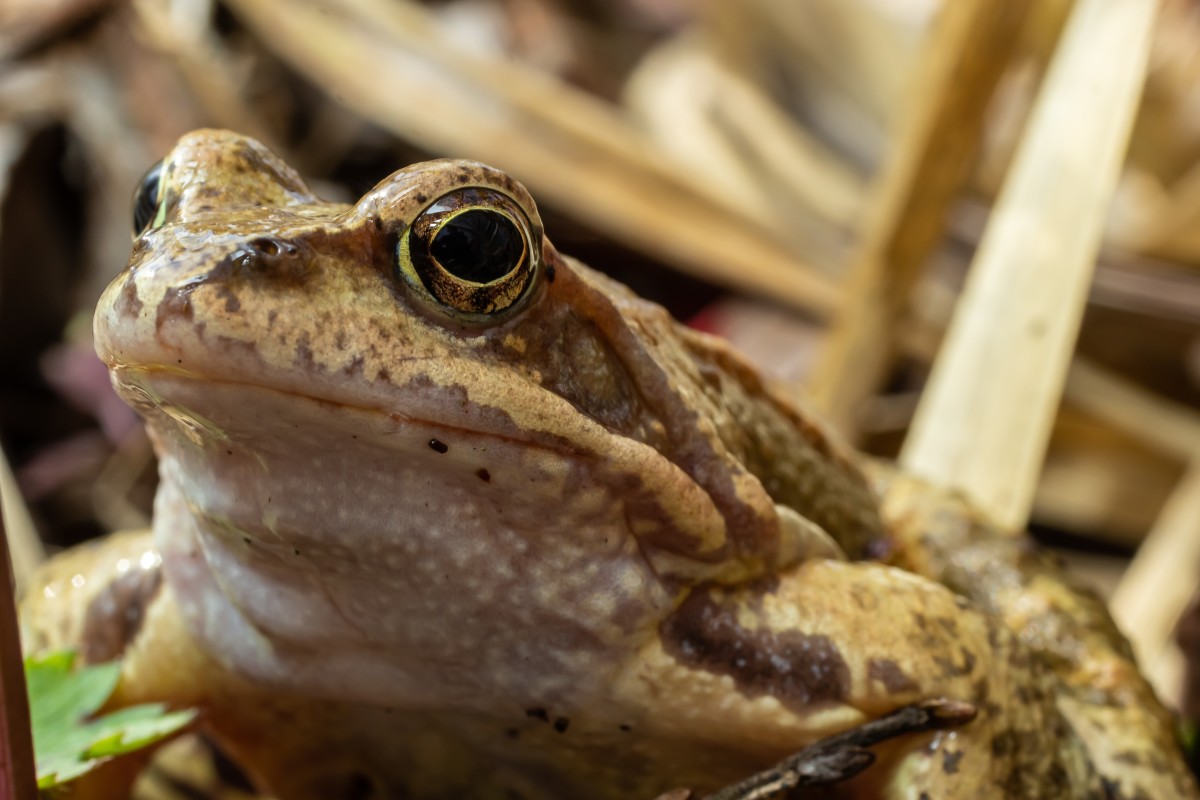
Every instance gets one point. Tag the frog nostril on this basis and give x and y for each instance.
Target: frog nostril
(267, 258)
(268, 246)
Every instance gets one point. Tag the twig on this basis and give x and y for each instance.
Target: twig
(841, 757)
(985, 419)
(17, 771)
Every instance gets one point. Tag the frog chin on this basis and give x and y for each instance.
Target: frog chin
(362, 556)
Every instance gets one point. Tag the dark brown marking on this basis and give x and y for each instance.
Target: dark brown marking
(889, 673)
(550, 273)
(950, 669)
(354, 368)
(1004, 744)
(115, 615)
(789, 665)
(561, 723)
(438, 446)
(483, 475)
(950, 761)
(304, 354)
(538, 714)
(760, 588)
(175, 304)
(128, 303)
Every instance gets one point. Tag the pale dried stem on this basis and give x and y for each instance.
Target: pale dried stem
(1160, 581)
(1164, 575)
(1167, 426)
(737, 138)
(986, 416)
(390, 62)
(178, 31)
(955, 76)
(24, 544)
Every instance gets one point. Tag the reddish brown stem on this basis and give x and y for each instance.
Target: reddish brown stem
(17, 773)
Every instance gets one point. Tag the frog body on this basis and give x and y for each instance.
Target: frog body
(444, 513)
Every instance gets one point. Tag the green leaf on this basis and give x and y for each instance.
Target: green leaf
(67, 740)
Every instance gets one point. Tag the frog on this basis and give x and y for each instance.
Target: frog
(444, 512)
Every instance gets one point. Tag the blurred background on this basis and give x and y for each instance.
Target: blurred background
(731, 160)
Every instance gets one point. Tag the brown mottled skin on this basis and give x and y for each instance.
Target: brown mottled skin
(563, 548)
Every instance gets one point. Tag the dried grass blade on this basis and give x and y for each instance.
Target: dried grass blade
(986, 416)
(389, 62)
(955, 76)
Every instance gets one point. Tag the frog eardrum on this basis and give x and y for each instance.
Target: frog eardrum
(471, 250)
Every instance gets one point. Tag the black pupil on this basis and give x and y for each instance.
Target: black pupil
(145, 201)
(478, 246)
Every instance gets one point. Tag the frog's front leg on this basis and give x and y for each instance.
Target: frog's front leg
(829, 645)
(105, 600)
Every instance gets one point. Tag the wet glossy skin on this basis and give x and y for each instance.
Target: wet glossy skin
(530, 539)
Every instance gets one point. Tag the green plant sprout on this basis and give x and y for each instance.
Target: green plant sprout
(68, 740)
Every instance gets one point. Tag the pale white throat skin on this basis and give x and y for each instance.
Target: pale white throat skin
(522, 535)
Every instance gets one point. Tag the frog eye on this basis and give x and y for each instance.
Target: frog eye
(146, 199)
(471, 250)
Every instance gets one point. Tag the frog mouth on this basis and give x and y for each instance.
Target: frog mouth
(222, 411)
(478, 447)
